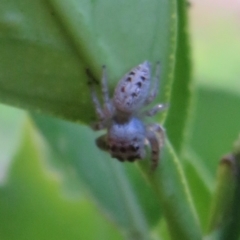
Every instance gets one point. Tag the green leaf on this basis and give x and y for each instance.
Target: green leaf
(46, 47)
(225, 212)
(215, 125)
(53, 52)
(213, 130)
(223, 197)
(11, 123)
(112, 187)
(226, 207)
(170, 184)
(123, 195)
(201, 185)
(181, 93)
(33, 205)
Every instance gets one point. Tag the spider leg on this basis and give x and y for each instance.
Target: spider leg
(155, 86)
(105, 112)
(155, 136)
(95, 100)
(158, 108)
(105, 85)
(101, 142)
(108, 108)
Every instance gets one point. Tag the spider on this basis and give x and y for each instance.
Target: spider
(127, 134)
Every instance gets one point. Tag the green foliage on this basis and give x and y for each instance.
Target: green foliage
(49, 45)
(32, 206)
(181, 89)
(54, 182)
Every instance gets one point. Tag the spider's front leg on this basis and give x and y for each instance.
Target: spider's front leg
(155, 136)
(103, 113)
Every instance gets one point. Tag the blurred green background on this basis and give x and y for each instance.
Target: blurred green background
(39, 202)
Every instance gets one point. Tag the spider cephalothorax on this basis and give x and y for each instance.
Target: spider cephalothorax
(122, 115)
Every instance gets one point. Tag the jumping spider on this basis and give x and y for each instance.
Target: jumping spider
(127, 134)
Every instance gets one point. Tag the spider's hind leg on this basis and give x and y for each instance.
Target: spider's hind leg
(155, 136)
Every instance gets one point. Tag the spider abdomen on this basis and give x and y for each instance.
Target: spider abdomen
(132, 90)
